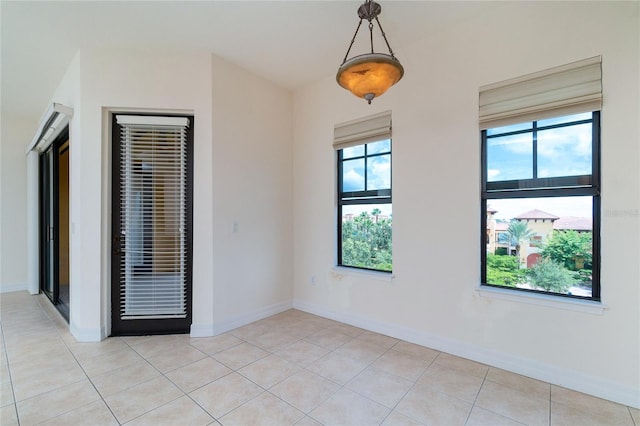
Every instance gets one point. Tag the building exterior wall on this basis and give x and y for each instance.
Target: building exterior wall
(541, 229)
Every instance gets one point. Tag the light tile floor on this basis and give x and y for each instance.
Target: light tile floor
(291, 368)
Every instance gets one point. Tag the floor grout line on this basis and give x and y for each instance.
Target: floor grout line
(374, 349)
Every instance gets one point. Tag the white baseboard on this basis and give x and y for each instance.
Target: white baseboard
(87, 334)
(201, 330)
(11, 287)
(248, 318)
(571, 379)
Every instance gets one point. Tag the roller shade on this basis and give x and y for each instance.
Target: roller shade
(564, 90)
(368, 129)
(153, 222)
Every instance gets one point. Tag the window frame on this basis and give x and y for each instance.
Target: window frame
(564, 186)
(374, 196)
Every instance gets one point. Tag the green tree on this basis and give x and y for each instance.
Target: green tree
(376, 212)
(366, 243)
(551, 276)
(568, 247)
(519, 232)
(356, 253)
(504, 270)
(381, 235)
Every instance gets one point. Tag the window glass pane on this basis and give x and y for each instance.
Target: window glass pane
(542, 244)
(509, 129)
(565, 151)
(565, 119)
(354, 151)
(353, 175)
(379, 172)
(379, 147)
(510, 157)
(366, 236)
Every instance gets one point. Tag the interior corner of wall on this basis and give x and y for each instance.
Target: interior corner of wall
(201, 330)
(87, 334)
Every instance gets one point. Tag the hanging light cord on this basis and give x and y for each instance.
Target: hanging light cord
(370, 11)
(384, 36)
(351, 44)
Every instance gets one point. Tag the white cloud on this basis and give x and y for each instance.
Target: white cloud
(352, 180)
(381, 175)
(491, 173)
(575, 140)
(518, 144)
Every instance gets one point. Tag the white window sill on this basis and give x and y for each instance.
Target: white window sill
(566, 303)
(363, 273)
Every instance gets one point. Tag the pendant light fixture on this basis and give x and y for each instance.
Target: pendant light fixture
(369, 75)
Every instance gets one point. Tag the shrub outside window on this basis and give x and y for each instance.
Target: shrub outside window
(364, 206)
(541, 206)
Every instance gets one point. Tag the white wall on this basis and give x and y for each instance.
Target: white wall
(433, 298)
(245, 141)
(253, 197)
(98, 82)
(16, 132)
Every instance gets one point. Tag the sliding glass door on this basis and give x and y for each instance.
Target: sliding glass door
(54, 223)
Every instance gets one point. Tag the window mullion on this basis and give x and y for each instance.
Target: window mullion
(366, 160)
(535, 150)
(339, 224)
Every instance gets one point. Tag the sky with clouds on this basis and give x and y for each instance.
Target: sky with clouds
(378, 167)
(563, 151)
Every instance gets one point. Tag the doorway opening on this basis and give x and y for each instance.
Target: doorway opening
(152, 192)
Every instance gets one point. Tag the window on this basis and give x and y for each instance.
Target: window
(364, 219)
(540, 136)
(540, 193)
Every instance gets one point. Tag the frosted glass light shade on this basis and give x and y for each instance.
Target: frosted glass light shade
(369, 75)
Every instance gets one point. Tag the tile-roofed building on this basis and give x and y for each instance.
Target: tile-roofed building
(536, 214)
(502, 226)
(573, 223)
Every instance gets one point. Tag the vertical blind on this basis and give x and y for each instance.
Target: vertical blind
(567, 89)
(153, 185)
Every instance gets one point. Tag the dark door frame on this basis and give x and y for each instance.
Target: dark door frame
(49, 229)
(121, 327)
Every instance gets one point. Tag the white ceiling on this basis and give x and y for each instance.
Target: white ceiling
(291, 43)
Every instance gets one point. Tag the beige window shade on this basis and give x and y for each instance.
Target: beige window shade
(368, 129)
(563, 90)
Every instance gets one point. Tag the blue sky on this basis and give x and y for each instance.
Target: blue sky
(564, 151)
(378, 168)
(378, 173)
